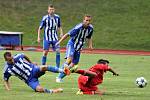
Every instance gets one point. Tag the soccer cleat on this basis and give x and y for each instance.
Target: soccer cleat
(59, 80)
(79, 92)
(59, 90)
(66, 71)
(74, 69)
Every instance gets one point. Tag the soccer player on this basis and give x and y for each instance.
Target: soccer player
(51, 24)
(22, 67)
(78, 36)
(89, 79)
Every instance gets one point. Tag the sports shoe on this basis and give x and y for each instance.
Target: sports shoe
(66, 71)
(79, 92)
(74, 69)
(59, 80)
(59, 90)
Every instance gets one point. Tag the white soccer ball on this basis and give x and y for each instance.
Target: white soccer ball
(141, 82)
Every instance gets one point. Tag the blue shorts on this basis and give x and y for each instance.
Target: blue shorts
(47, 44)
(71, 52)
(33, 81)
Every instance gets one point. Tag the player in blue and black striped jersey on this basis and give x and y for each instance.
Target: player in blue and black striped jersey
(22, 67)
(78, 36)
(51, 24)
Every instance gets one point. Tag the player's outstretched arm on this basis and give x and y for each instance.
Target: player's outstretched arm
(62, 39)
(114, 73)
(7, 85)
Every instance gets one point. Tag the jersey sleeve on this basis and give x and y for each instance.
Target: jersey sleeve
(42, 23)
(6, 73)
(59, 22)
(17, 56)
(90, 34)
(73, 32)
(6, 76)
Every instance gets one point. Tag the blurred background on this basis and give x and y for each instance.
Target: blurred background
(118, 24)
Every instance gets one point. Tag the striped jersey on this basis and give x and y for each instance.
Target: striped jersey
(21, 68)
(50, 25)
(79, 34)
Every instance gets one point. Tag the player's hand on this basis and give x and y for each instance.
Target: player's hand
(61, 35)
(38, 40)
(57, 44)
(90, 47)
(115, 74)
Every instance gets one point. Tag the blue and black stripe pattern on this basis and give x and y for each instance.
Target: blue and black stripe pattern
(20, 68)
(50, 24)
(79, 34)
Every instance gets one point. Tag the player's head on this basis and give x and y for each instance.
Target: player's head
(102, 61)
(87, 20)
(8, 57)
(51, 9)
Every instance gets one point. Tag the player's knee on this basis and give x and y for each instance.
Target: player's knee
(57, 50)
(44, 68)
(45, 53)
(39, 89)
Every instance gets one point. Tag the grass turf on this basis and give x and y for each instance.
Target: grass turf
(118, 24)
(117, 88)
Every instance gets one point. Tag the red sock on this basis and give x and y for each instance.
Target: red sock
(80, 71)
(89, 92)
(86, 73)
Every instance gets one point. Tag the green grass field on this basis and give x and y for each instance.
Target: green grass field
(118, 24)
(117, 88)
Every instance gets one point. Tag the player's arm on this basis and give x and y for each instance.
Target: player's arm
(42, 24)
(60, 27)
(90, 44)
(7, 85)
(89, 40)
(62, 39)
(6, 80)
(39, 32)
(61, 31)
(112, 71)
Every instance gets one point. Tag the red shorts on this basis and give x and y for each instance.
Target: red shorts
(84, 84)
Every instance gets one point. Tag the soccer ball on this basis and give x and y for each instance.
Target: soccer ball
(141, 82)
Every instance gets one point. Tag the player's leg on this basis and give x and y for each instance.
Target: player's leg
(85, 87)
(44, 57)
(44, 68)
(74, 60)
(82, 80)
(46, 46)
(69, 56)
(84, 72)
(57, 50)
(34, 84)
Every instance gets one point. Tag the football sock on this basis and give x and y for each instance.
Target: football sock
(48, 91)
(44, 60)
(62, 75)
(54, 69)
(57, 59)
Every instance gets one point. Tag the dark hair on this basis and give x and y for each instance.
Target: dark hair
(87, 15)
(51, 6)
(7, 54)
(102, 61)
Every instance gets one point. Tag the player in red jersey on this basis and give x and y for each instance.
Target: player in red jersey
(89, 79)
